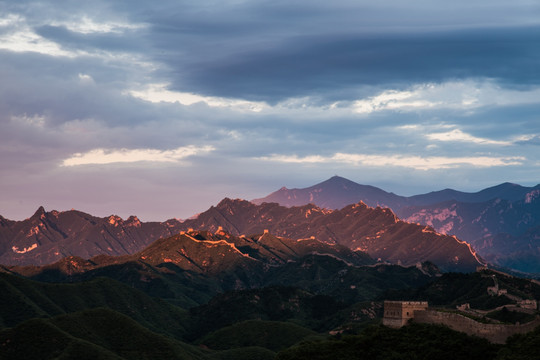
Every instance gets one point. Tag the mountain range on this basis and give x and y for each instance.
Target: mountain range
(338, 192)
(502, 222)
(49, 236)
(46, 237)
(376, 231)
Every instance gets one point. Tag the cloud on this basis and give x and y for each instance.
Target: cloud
(391, 100)
(531, 139)
(30, 120)
(10, 20)
(103, 156)
(158, 93)
(336, 65)
(25, 40)
(464, 95)
(414, 162)
(457, 135)
(88, 25)
(75, 38)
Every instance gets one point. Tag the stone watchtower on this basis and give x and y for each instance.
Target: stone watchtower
(398, 313)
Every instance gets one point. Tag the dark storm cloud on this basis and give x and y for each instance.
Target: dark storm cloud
(324, 65)
(270, 51)
(128, 41)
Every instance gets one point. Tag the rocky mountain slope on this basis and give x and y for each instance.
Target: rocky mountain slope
(502, 222)
(49, 236)
(227, 261)
(504, 232)
(374, 230)
(190, 268)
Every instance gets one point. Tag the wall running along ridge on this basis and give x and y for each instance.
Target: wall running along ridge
(496, 333)
(399, 313)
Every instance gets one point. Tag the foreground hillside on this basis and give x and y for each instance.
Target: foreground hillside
(90, 334)
(101, 334)
(295, 290)
(104, 319)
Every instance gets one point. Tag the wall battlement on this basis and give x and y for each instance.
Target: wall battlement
(398, 313)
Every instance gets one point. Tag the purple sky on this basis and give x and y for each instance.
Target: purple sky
(161, 109)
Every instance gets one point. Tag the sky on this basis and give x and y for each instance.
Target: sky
(161, 109)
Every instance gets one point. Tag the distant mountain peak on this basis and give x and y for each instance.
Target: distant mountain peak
(115, 220)
(338, 181)
(337, 178)
(334, 193)
(510, 183)
(39, 212)
(228, 201)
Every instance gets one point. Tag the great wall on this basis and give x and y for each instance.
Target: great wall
(399, 313)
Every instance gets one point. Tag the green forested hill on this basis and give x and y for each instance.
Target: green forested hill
(23, 299)
(90, 334)
(453, 289)
(277, 299)
(416, 341)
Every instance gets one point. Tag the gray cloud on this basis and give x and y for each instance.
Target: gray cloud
(317, 65)
(129, 41)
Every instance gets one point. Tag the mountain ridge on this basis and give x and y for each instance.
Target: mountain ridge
(502, 222)
(50, 236)
(338, 192)
(173, 270)
(375, 230)
(60, 234)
